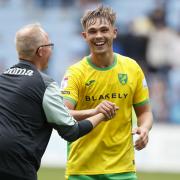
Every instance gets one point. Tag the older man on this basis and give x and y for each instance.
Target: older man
(30, 106)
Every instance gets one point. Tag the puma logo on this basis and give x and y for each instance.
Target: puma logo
(89, 83)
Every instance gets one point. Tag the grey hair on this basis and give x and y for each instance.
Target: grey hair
(28, 39)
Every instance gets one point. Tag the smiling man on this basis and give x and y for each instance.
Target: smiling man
(93, 84)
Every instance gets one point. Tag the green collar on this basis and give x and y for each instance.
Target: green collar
(102, 69)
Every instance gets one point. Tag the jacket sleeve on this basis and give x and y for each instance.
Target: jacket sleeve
(58, 115)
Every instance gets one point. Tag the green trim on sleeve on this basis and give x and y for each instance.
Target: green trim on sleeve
(70, 99)
(141, 103)
(68, 148)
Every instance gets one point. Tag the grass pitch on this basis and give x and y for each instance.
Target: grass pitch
(58, 174)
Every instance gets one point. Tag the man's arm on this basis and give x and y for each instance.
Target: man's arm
(79, 129)
(58, 116)
(144, 123)
(106, 107)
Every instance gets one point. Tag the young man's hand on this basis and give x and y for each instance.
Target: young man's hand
(142, 139)
(107, 108)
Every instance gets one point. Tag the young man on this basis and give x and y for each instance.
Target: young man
(107, 152)
(30, 106)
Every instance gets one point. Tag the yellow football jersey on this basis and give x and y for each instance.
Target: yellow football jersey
(109, 147)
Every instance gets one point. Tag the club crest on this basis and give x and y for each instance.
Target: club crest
(123, 78)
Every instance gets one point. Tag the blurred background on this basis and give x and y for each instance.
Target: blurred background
(148, 31)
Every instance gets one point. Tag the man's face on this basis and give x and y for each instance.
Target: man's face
(99, 35)
(47, 51)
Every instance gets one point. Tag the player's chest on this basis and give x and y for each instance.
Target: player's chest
(107, 86)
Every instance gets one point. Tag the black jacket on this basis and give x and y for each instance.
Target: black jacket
(30, 106)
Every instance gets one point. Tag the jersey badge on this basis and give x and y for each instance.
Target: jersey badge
(123, 78)
(64, 83)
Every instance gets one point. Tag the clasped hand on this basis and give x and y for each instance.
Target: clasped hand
(107, 108)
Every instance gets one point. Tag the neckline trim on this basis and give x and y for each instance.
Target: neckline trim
(102, 69)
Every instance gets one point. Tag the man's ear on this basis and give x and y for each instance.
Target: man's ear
(40, 52)
(84, 35)
(115, 33)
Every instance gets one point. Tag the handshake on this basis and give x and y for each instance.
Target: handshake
(107, 108)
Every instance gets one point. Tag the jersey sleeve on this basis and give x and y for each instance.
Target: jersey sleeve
(54, 108)
(58, 115)
(70, 85)
(141, 94)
